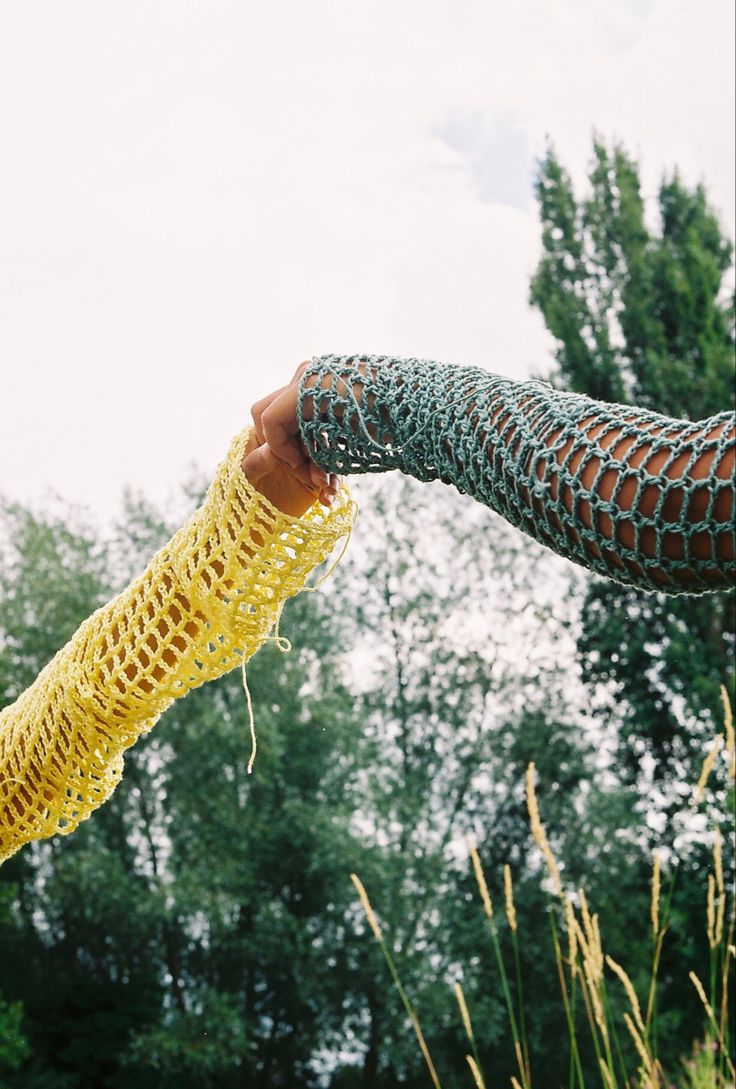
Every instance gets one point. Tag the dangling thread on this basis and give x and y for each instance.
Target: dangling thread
(338, 561)
(284, 645)
(253, 738)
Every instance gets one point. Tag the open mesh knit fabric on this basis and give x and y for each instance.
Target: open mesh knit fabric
(634, 495)
(204, 605)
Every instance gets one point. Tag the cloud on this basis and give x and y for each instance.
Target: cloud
(497, 153)
(198, 196)
(619, 24)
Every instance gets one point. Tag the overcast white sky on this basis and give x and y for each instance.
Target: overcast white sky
(196, 196)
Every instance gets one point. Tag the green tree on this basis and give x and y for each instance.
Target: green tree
(465, 673)
(14, 1047)
(201, 930)
(640, 314)
(192, 928)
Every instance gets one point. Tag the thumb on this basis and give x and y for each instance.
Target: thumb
(259, 463)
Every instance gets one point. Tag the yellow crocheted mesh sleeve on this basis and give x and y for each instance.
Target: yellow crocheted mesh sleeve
(206, 602)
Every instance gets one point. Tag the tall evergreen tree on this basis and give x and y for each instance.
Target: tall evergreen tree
(640, 313)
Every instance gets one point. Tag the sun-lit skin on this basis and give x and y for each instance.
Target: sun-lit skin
(276, 422)
(286, 478)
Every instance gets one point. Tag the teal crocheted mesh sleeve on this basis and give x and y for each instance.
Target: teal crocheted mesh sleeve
(634, 495)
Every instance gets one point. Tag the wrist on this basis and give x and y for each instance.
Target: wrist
(344, 417)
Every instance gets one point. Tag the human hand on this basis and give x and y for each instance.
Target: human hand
(277, 428)
(278, 482)
(275, 461)
(276, 419)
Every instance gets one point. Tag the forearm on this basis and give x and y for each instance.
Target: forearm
(206, 602)
(636, 496)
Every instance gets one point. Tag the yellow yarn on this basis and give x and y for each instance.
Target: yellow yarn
(204, 605)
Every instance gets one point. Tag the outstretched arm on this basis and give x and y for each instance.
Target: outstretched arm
(632, 494)
(205, 603)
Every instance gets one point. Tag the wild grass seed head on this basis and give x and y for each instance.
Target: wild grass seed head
(538, 832)
(509, 891)
(366, 905)
(480, 878)
(708, 765)
(656, 884)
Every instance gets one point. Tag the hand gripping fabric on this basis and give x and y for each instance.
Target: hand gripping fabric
(636, 496)
(204, 605)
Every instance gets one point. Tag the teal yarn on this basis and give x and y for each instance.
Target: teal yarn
(523, 449)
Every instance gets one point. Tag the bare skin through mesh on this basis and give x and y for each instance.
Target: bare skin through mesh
(634, 495)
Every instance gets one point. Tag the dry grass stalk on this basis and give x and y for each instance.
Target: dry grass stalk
(424, 1049)
(656, 885)
(708, 765)
(373, 922)
(586, 1000)
(710, 912)
(586, 939)
(563, 986)
(582, 941)
(718, 859)
(478, 1078)
(720, 885)
(730, 733)
(655, 968)
(488, 908)
(464, 1012)
(630, 992)
(595, 1000)
(644, 1054)
(729, 952)
(709, 1010)
(701, 993)
(366, 905)
(607, 1075)
(480, 878)
(522, 1065)
(572, 937)
(590, 941)
(720, 916)
(509, 891)
(587, 922)
(538, 832)
(597, 946)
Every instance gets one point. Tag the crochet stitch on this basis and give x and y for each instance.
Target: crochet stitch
(204, 605)
(634, 495)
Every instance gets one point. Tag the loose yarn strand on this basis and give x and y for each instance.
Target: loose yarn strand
(251, 722)
(284, 645)
(346, 541)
